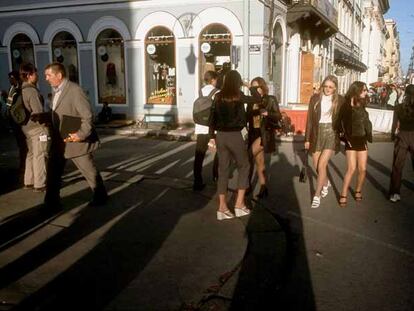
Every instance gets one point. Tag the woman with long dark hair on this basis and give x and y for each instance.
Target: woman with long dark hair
(228, 118)
(321, 137)
(403, 124)
(263, 118)
(357, 131)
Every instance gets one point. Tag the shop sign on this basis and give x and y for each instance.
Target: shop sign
(205, 47)
(254, 48)
(151, 49)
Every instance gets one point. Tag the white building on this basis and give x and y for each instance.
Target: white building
(374, 37)
(392, 62)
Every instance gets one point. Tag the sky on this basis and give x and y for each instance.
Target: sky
(402, 11)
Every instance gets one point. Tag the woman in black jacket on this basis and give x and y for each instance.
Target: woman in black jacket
(321, 137)
(403, 124)
(263, 118)
(356, 131)
(228, 118)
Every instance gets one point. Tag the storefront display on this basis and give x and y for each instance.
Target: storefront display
(65, 51)
(160, 66)
(215, 48)
(21, 49)
(110, 65)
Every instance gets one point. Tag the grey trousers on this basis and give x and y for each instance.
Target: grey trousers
(230, 145)
(403, 145)
(86, 165)
(35, 169)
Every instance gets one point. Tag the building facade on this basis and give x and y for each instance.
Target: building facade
(374, 36)
(392, 61)
(146, 58)
(348, 56)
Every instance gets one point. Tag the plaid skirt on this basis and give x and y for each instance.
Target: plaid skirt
(327, 138)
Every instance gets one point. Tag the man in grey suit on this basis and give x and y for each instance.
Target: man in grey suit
(70, 102)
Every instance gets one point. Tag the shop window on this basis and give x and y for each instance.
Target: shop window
(65, 51)
(215, 49)
(160, 66)
(110, 64)
(21, 49)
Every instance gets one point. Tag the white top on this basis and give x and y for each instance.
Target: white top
(203, 129)
(57, 91)
(326, 113)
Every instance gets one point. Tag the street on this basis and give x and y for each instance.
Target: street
(158, 246)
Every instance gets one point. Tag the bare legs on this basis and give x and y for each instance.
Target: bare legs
(355, 159)
(320, 162)
(258, 155)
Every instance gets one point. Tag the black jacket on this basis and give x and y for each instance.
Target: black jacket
(230, 116)
(268, 103)
(354, 122)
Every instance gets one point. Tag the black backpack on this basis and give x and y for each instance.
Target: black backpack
(202, 107)
(18, 110)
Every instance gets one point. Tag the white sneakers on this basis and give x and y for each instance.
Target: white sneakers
(325, 189)
(395, 197)
(316, 202)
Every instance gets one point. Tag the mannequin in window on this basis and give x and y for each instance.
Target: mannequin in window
(111, 74)
(73, 73)
(106, 114)
(162, 82)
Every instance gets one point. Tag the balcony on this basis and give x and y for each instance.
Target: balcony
(317, 17)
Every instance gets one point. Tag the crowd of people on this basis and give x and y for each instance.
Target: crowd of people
(51, 135)
(64, 129)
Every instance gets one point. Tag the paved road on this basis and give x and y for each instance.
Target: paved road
(157, 245)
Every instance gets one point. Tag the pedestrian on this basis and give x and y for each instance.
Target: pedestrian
(203, 137)
(228, 118)
(392, 97)
(15, 85)
(37, 135)
(263, 119)
(69, 102)
(322, 137)
(403, 134)
(357, 131)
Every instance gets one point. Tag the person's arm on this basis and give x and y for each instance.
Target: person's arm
(309, 122)
(274, 111)
(254, 98)
(212, 119)
(84, 110)
(395, 124)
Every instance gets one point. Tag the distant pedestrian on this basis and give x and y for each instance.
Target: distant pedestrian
(37, 135)
(14, 90)
(392, 97)
(203, 137)
(357, 132)
(228, 118)
(70, 103)
(321, 137)
(263, 118)
(403, 134)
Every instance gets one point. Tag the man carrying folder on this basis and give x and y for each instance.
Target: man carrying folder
(73, 137)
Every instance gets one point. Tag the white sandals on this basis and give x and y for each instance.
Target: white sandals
(316, 202)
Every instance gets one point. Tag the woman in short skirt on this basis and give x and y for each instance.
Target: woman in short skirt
(357, 131)
(321, 138)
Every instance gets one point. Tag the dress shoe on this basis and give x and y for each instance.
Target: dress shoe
(98, 201)
(263, 192)
(198, 187)
(27, 187)
(40, 189)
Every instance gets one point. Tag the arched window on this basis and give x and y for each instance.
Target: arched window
(65, 51)
(160, 66)
(215, 48)
(21, 48)
(110, 64)
(277, 55)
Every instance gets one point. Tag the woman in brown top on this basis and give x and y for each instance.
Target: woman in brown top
(321, 137)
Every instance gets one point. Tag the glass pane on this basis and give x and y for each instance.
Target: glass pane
(215, 49)
(65, 51)
(21, 48)
(110, 63)
(160, 66)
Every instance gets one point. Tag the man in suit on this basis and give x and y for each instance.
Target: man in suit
(70, 100)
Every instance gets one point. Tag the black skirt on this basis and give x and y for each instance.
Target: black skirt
(356, 143)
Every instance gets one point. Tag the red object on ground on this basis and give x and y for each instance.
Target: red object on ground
(298, 118)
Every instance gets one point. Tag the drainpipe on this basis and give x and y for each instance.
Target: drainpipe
(246, 57)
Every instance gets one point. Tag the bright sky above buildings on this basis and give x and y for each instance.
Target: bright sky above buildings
(402, 11)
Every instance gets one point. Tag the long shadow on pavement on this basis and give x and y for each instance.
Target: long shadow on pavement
(275, 268)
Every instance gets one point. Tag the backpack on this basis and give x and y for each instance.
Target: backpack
(202, 107)
(18, 110)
